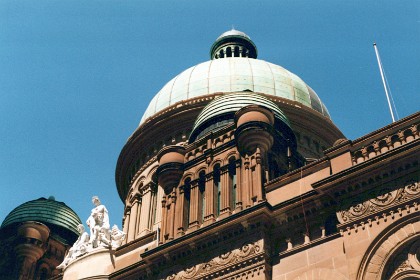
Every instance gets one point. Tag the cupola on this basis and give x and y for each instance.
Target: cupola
(233, 43)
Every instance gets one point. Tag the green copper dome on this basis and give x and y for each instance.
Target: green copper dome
(61, 219)
(222, 109)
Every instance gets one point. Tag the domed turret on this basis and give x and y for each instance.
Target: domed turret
(233, 43)
(60, 218)
(38, 233)
(173, 114)
(222, 109)
(171, 160)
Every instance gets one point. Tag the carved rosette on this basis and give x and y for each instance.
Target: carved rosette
(410, 190)
(218, 263)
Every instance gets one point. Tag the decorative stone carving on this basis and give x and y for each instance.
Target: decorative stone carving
(229, 258)
(117, 237)
(98, 222)
(101, 236)
(79, 248)
(383, 200)
(406, 261)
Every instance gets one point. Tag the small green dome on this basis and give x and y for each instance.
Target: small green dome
(220, 112)
(60, 218)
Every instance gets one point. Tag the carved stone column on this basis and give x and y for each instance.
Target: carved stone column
(239, 186)
(126, 221)
(32, 238)
(247, 183)
(159, 193)
(226, 192)
(257, 178)
(170, 170)
(133, 218)
(163, 223)
(194, 206)
(145, 210)
(209, 213)
(171, 215)
(179, 212)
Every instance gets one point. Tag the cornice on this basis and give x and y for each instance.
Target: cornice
(263, 208)
(375, 163)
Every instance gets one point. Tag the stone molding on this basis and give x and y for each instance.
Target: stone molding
(381, 202)
(383, 248)
(249, 252)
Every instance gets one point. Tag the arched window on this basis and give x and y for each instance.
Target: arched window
(217, 188)
(153, 204)
(222, 55)
(202, 198)
(232, 182)
(187, 188)
(228, 52)
(236, 52)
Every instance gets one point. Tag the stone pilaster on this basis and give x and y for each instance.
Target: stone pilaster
(194, 205)
(210, 193)
(179, 212)
(133, 219)
(239, 190)
(226, 192)
(145, 210)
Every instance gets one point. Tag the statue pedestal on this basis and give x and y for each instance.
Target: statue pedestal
(97, 264)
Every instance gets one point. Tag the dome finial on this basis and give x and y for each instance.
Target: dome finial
(233, 43)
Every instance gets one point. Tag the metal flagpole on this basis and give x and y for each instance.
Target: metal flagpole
(383, 80)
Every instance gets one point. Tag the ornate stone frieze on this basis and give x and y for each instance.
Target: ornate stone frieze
(224, 260)
(383, 198)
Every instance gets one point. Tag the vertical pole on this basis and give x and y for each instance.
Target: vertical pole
(383, 80)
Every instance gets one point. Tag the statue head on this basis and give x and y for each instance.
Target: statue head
(96, 201)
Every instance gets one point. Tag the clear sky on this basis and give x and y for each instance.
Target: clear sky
(76, 76)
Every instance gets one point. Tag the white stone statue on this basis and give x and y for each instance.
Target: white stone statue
(117, 237)
(98, 223)
(78, 249)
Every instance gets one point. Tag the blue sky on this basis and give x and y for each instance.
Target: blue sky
(76, 76)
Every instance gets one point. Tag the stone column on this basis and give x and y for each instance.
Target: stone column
(239, 186)
(145, 210)
(257, 182)
(138, 215)
(179, 212)
(163, 222)
(171, 214)
(32, 238)
(133, 218)
(247, 183)
(126, 221)
(226, 192)
(209, 213)
(170, 171)
(158, 214)
(194, 205)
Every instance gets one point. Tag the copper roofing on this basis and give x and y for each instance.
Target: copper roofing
(47, 211)
(235, 74)
(223, 108)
